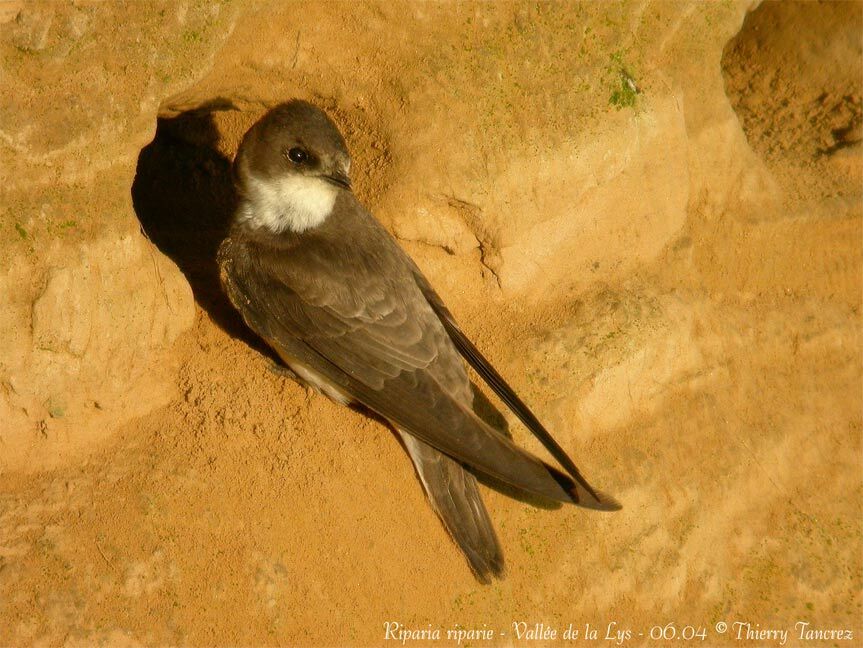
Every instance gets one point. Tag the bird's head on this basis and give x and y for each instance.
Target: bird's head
(290, 168)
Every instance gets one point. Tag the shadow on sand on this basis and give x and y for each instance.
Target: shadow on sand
(184, 196)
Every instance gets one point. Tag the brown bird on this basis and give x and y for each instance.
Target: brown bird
(347, 310)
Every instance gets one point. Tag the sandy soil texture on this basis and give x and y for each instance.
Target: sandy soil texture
(647, 214)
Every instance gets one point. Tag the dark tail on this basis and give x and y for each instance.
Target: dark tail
(455, 497)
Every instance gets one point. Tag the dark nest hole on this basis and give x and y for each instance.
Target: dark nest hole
(184, 197)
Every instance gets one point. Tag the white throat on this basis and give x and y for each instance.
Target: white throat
(291, 202)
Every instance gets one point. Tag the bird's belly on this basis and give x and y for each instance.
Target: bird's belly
(318, 382)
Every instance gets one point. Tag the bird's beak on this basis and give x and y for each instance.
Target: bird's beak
(339, 179)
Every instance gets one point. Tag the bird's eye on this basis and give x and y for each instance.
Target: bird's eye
(297, 155)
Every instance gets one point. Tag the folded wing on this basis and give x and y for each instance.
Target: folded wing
(587, 495)
(366, 327)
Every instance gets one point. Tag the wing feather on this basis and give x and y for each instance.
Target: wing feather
(587, 495)
(389, 352)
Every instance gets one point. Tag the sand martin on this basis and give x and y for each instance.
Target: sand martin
(347, 310)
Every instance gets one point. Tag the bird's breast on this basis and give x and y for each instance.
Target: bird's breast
(287, 203)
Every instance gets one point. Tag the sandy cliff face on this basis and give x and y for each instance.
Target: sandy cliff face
(88, 304)
(647, 214)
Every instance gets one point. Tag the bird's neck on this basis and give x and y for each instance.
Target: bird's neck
(289, 203)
